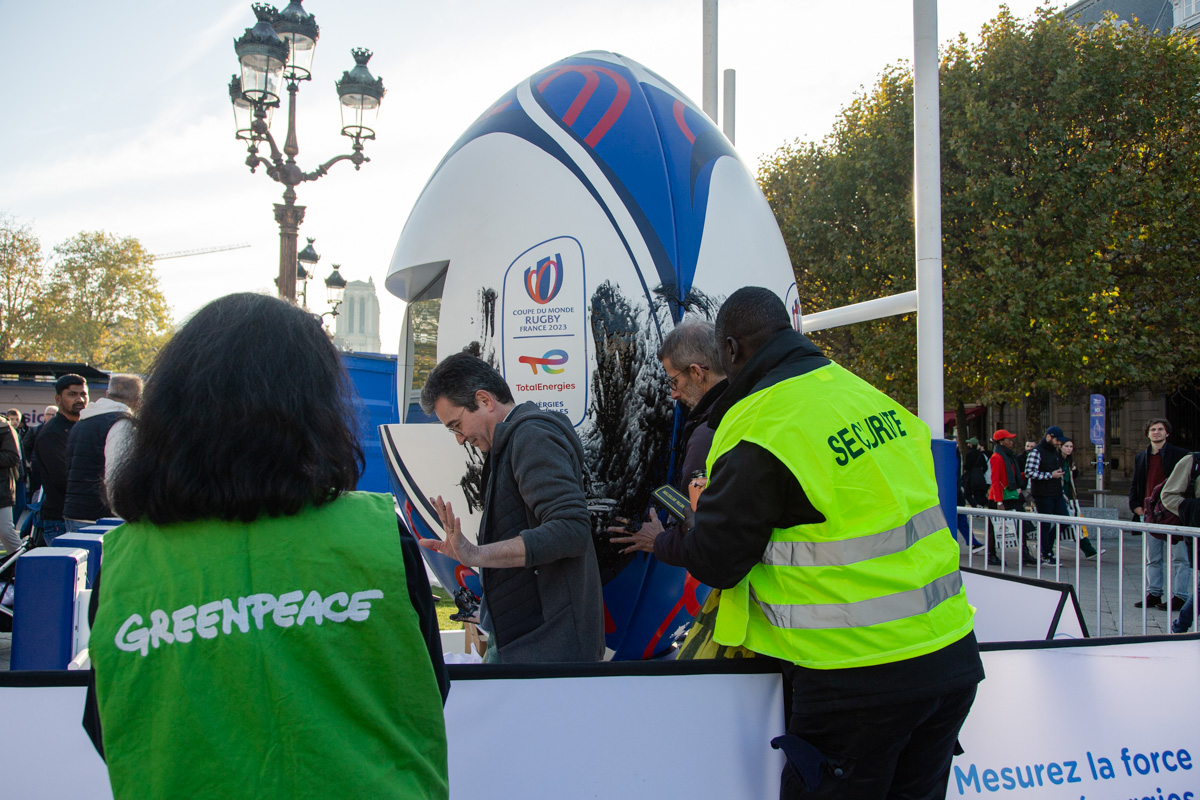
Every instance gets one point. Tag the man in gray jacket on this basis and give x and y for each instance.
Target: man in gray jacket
(542, 598)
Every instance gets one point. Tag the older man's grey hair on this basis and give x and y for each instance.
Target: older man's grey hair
(125, 389)
(693, 341)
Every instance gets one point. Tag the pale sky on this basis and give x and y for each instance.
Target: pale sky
(117, 115)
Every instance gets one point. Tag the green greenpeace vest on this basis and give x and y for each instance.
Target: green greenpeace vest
(878, 580)
(280, 658)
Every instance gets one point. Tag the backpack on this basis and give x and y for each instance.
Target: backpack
(1157, 513)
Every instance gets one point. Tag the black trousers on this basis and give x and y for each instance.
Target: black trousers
(1048, 531)
(898, 752)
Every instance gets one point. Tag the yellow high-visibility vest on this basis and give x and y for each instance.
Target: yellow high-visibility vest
(878, 580)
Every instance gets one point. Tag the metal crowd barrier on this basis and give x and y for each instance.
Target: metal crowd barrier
(1017, 532)
(53, 586)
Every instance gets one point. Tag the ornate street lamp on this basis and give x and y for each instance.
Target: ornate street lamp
(299, 30)
(360, 94)
(335, 289)
(280, 47)
(243, 109)
(262, 55)
(306, 265)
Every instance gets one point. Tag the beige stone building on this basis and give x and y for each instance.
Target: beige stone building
(357, 326)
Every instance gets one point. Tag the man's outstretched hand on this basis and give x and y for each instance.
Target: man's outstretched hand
(455, 545)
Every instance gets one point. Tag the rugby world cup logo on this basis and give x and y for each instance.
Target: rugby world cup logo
(543, 281)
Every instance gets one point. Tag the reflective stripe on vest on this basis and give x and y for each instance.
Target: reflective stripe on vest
(877, 581)
(875, 611)
(851, 551)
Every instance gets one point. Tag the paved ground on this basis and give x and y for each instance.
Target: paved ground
(1108, 611)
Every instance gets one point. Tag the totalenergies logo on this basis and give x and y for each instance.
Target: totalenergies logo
(543, 281)
(548, 362)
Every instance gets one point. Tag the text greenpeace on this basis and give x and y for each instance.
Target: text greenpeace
(1161, 766)
(220, 617)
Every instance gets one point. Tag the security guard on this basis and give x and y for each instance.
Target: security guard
(821, 524)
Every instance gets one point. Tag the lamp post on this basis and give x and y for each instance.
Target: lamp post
(306, 265)
(279, 48)
(335, 292)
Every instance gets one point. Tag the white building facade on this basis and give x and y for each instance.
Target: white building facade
(357, 326)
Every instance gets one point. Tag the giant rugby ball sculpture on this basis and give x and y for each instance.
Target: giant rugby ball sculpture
(578, 219)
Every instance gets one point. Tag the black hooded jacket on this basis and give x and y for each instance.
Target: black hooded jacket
(697, 438)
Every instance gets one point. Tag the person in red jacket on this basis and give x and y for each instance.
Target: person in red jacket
(1005, 488)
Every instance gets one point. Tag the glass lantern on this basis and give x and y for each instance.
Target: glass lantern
(360, 94)
(335, 287)
(298, 29)
(262, 55)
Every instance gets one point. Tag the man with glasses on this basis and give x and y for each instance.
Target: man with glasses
(689, 356)
(542, 597)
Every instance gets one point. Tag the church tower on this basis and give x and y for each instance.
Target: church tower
(358, 318)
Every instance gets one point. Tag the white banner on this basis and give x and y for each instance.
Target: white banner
(692, 736)
(1117, 721)
(1086, 720)
(544, 328)
(1014, 609)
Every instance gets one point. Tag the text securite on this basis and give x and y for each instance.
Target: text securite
(876, 430)
(220, 617)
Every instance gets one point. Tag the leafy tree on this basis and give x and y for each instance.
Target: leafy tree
(103, 304)
(1070, 224)
(20, 289)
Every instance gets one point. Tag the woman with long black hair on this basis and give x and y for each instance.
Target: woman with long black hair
(261, 629)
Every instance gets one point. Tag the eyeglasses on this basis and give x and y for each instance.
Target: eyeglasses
(454, 426)
(673, 379)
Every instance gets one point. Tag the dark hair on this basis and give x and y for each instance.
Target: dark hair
(70, 379)
(693, 341)
(752, 314)
(247, 411)
(458, 377)
(1163, 422)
